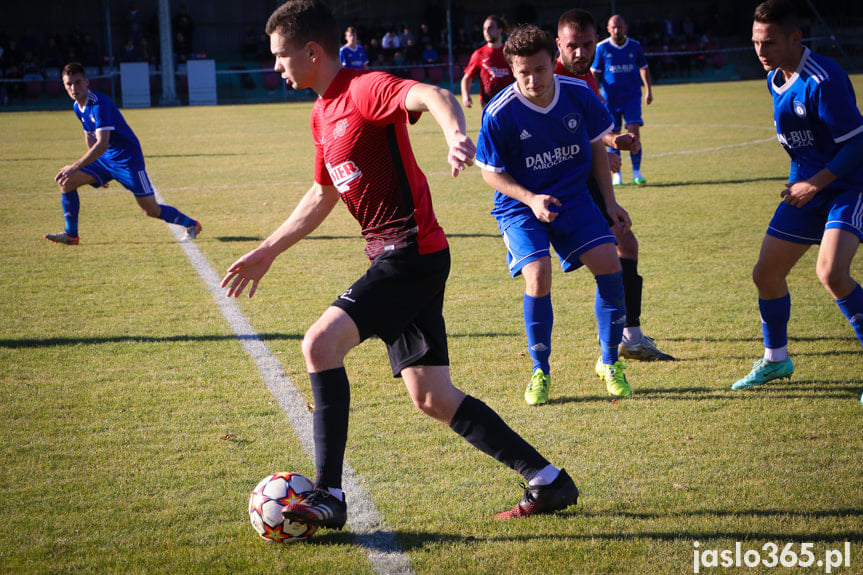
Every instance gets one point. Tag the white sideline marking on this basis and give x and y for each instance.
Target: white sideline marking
(364, 521)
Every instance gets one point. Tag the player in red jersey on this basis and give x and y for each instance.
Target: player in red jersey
(576, 43)
(489, 63)
(363, 155)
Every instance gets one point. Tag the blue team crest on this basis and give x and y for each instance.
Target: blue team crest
(799, 108)
(572, 122)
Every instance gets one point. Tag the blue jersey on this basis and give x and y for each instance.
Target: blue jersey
(99, 114)
(546, 150)
(815, 111)
(353, 58)
(620, 68)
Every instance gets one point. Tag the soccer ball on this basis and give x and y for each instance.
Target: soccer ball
(266, 502)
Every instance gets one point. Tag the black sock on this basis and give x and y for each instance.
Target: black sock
(332, 394)
(485, 430)
(632, 283)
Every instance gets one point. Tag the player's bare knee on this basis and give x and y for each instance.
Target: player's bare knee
(627, 246)
(427, 404)
(151, 211)
(835, 281)
(761, 276)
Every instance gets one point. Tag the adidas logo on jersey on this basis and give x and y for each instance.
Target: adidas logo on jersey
(524, 135)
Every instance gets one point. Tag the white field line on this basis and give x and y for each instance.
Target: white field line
(714, 149)
(364, 521)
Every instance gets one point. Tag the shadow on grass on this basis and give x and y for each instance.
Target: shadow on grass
(713, 182)
(409, 541)
(70, 341)
(771, 391)
(351, 237)
(24, 343)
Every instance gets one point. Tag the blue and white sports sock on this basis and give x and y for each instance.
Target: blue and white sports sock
(71, 204)
(852, 306)
(775, 314)
(172, 215)
(610, 314)
(538, 323)
(636, 162)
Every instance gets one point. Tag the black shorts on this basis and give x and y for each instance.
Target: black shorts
(400, 300)
(596, 194)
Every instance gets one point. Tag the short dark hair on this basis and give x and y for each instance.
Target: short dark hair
(527, 40)
(782, 13)
(578, 20)
(303, 21)
(499, 20)
(73, 68)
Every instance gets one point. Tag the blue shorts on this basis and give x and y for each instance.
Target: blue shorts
(629, 110)
(133, 179)
(573, 232)
(806, 225)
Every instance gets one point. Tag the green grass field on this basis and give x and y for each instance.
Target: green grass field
(135, 425)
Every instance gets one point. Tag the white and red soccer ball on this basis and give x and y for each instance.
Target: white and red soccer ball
(266, 503)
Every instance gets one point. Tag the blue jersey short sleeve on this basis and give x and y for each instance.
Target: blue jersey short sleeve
(101, 113)
(815, 112)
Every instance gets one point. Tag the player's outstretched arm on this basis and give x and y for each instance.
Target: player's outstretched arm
(445, 109)
(313, 209)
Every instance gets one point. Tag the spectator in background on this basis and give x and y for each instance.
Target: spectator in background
(406, 36)
(53, 55)
(129, 52)
(373, 49)
(134, 27)
(413, 53)
(390, 43)
(90, 52)
(430, 55)
(250, 44)
(352, 54)
(182, 48)
(31, 67)
(144, 54)
(75, 45)
(183, 24)
(669, 29)
(425, 35)
(12, 56)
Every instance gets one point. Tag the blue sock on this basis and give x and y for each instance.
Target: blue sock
(610, 314)
(174, 216)
(852, 307)
(636, 160)
(71, 206)
(538, 322)
(775, 314)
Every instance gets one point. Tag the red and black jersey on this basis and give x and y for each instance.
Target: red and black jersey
(493, 69)
(362, 148)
